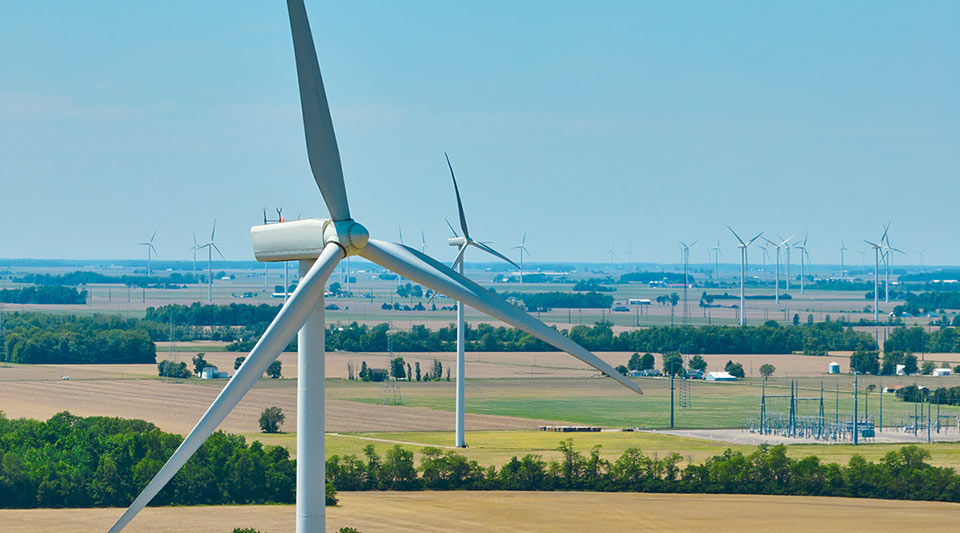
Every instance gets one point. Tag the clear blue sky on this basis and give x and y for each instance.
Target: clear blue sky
(587, 124)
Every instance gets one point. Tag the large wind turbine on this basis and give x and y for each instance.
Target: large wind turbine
(210, 246)
(521, 249)
(763, 273)
(463, 243)
(150, 248)
(319, 244)
(802, 246)
(888, 261)
(786, 244)
(685, 259)
(194, 250)
(743, 271)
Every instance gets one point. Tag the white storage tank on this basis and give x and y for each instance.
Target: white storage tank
(834, 368)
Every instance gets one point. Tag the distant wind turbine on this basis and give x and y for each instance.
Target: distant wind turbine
(877, 248)
(843, 248)
(462, 243)
(423, 242)
(685, 259)
(716, 260)
(802, 246)
(777, 280)
(521, 249)
(211, 246)
(743, 271)
(150, 248)
(612, 253)
(888, 259)
(763, 272)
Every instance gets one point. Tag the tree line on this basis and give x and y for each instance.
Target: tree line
(545, 301)
(941, 395)
(917, 303)
(902, 474)
(72, 461)
(82, 277)
(45, 338)
(917, 339)
(43, 295)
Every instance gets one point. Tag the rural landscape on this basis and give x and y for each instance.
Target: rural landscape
(721, 365)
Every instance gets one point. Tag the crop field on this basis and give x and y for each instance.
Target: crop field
(372, 512)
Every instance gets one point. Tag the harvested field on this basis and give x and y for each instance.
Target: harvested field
(372, 512)
(176, 407)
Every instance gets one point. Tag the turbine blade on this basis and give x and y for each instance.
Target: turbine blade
(322, 150)
(449, 225)
(218, 251)
(290, 318)
(213, 232)
(428, 272)
(459, 258)
(490, 250)
(734, 234)
(463, 218)
(755, 238)
(154, 249)
(153, 236)
(524, 239)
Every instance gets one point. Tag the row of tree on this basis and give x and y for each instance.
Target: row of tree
(82, 277)
(45, 338)
(71, 461)
(43, 295)
(917, 339)
(928, 301)
(901, 474)
(941, 395)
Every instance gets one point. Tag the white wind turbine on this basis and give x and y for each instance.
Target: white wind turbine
(876, 277)
(612, 253)
(462, 243)
(685, 259)
(802, 246)
(763, 272)
(210, 246)
(716, 260)
(521, 249)
(777, 281)
(888, 259)
(423, 242)
(786, 244)
(150, 248)
(843, 248)
(743, 271)
(319, 244)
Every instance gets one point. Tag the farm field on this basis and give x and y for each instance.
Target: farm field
(372, 512)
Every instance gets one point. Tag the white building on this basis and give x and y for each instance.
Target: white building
(720, 376)
(211, 372)
(939, 372)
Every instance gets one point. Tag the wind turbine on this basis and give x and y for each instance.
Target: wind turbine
(888, 258)
(150, 248)
(521, 249)
(922, 253)
(423, 242)
(763, 273)
(786, 243)
(716, 260)
(843, 248)
(777, 282)
(463, 243)
(194, 250)
(685, 259)
(802, 246)
(612, 253)
(629, 254)
(743, 271)
(319, 244)
(211, 246)
(876, 276)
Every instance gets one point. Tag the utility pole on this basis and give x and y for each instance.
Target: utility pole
(856, 410)
(673, 365)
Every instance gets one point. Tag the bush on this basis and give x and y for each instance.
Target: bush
(274, 370)
(170, 369)
(271, 419)
(734, 369)
(767, 370)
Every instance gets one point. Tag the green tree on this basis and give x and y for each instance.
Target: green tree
(199, 363)
(647, 362)
(271, 419)
(622, 369)
(734, 369)
(173, 370)
(927, 368)
(698, 363)
(275, 369)
(796, 319)
(635, 361)
(674, 299)
(417, 367)
(865, 361)
(398, 368)
(673, 364)
(238, 361)
(767, 370)
(910, 364)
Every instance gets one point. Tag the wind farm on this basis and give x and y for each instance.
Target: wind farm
(585, 383)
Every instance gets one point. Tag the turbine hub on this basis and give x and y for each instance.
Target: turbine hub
(350, 235)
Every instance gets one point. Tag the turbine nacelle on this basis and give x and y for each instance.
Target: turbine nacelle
(457, 241)
(305, 239)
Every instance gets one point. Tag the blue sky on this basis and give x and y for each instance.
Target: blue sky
(586, 124)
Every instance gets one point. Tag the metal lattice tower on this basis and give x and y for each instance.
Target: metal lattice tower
(684, 393)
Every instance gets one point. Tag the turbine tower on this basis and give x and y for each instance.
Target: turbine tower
(716, 260)
(888, 258)
(194, 250)
(763, 272)
(150, 248)
(786, 244)
(777, 281)
(462, 243)
(876, 278)
(521, 249)
(802, 246)
(612, 253)
(843, 248)
(319, 244)
(685, 259)
(211, 246)
(743, 271)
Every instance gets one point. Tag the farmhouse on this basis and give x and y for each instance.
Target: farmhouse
(211, 372)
